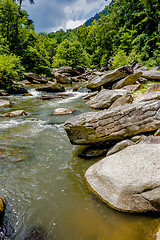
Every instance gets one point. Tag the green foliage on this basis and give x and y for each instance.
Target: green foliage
(129, 26)
(70, 54)
(130, 30)
(10, 70)
(121, 58)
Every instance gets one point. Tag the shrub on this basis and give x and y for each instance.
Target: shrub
(10, 70)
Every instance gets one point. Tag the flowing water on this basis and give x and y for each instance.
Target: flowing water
(42, 178)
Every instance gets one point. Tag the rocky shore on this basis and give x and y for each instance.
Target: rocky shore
(123, 126)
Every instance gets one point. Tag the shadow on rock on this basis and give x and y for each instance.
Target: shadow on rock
(36, 233)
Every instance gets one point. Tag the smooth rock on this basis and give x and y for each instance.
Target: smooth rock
(129, 80)
(120, 146)
(129, 180)
(63, 111)
(16, 113)
(105, 98)
(109, 77)
(4, 103)
(114, 124)
(122, 101)
(55, 87)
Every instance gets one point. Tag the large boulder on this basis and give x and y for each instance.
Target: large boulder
(4, 103)
(65, 69)
(61, 78)
(114, 124)
(129, 180)
(109, 77)
(35, 77)
(151, 74)
(55, 87)
(105, 98)
(129, 80)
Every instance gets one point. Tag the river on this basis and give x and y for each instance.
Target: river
(43, 180)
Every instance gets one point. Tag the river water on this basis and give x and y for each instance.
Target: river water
(43, 180)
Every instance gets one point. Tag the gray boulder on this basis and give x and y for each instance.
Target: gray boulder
(114, 124)
(55, 87)
(151, 75)
(61, 78)
(129, 80)
(31, 77)
(129, 180)
(105, 98)
(109, 77)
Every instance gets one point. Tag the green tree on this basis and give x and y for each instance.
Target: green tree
(70, 54)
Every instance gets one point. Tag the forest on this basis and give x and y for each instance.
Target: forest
(130, 30)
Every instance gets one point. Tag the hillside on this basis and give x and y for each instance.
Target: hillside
(96, 17)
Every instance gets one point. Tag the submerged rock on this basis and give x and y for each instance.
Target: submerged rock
(4, 103)
(49, 97)
(16, 113)
(131, 186)
(63, 111)
(114, 124)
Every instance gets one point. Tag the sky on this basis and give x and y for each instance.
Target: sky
(52, 15)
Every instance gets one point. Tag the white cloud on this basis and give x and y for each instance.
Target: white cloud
(55, 14)
(73, 24)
